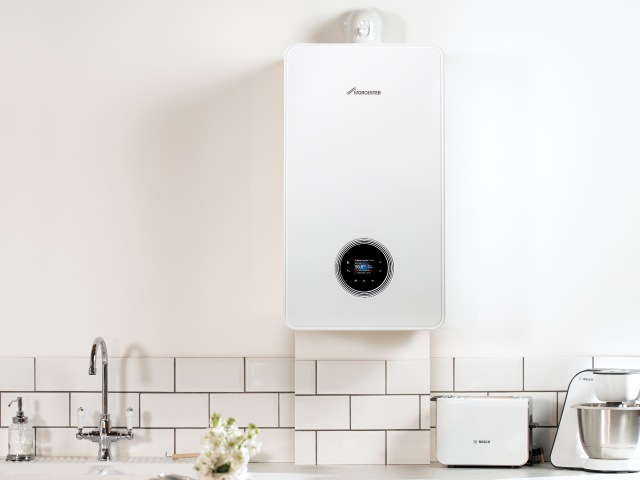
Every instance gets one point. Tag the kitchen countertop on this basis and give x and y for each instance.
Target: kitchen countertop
(58, 468)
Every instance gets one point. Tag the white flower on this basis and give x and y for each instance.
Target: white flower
(226, 449)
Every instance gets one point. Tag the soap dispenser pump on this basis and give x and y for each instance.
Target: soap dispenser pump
(21, 437)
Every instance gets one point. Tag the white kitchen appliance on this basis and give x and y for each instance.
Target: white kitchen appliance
(364, 209)
(568, 450)
(483, 431)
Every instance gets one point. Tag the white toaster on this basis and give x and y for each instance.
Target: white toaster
(483, 431)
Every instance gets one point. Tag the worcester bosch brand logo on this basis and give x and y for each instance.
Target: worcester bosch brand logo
(481, 441)
(355, 91)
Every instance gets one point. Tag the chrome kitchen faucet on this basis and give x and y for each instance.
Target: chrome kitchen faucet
(104, 435)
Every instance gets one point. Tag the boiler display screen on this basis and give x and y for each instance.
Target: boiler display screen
(364, 267)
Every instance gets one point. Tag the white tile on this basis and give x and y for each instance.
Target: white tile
(63, 442)
(16, 374)
(544, 406)
(43, 409)
(287, 410)
(562, 397)
(270, 375)
(425, 412)
(408, 376)
(125, 374)
(351, 448)
(278, 446)
(351, 377)
(305, 377)
(209, 374)
(442, 374)
(146, 443)
(260, 409)
(488, 374)
(92, 404)
(4, 442)
(384, 412)
(305, 448)
(188, 439)
(141, 375)
(66, 374)
(322, 413)
(408, 448)
(552, 373)
(615, 362)
(174, 410)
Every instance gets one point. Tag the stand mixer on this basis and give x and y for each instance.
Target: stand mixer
(600, 426)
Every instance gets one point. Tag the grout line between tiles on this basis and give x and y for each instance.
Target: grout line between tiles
(34, 374)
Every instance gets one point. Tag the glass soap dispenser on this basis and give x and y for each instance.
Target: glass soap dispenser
(21, 438)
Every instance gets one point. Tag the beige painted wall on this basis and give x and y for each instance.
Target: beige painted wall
(141, 172)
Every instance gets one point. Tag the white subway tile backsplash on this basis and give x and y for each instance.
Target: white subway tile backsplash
(441, 374)
(278, 445)
(382, 412)
(4, 442)
(351, 377)
(305, 377)
(146, 443)
(188, 439)
(562, 397)
(209, 374)
(92, 404)
(544, 406)
(174, 410)
(354, 448)
(260, 409)
(616, 362)
(408, 448)
(322, 413)
(141, 375)
(63, 442)
(66, 374)
(43, 409)
(425, 412)
(287, 410)
(16, 374)
(408, 376)
(488, 374)
(270, 375)
(552, 373)
(305, 448)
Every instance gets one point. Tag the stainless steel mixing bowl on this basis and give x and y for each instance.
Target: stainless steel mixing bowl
(609, 432)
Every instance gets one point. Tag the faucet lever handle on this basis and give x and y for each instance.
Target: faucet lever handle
(80, 418)
(129, 418)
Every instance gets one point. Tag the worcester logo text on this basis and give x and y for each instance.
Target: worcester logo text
(355, 91)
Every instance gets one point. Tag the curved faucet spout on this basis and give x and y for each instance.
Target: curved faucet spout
(104, 436)
(99, 341)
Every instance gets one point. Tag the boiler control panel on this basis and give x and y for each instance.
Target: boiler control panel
(364, 267)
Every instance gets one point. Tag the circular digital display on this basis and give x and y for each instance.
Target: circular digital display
(364, 267)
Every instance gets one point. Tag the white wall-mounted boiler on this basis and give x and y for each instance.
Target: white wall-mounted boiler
(364, 209)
